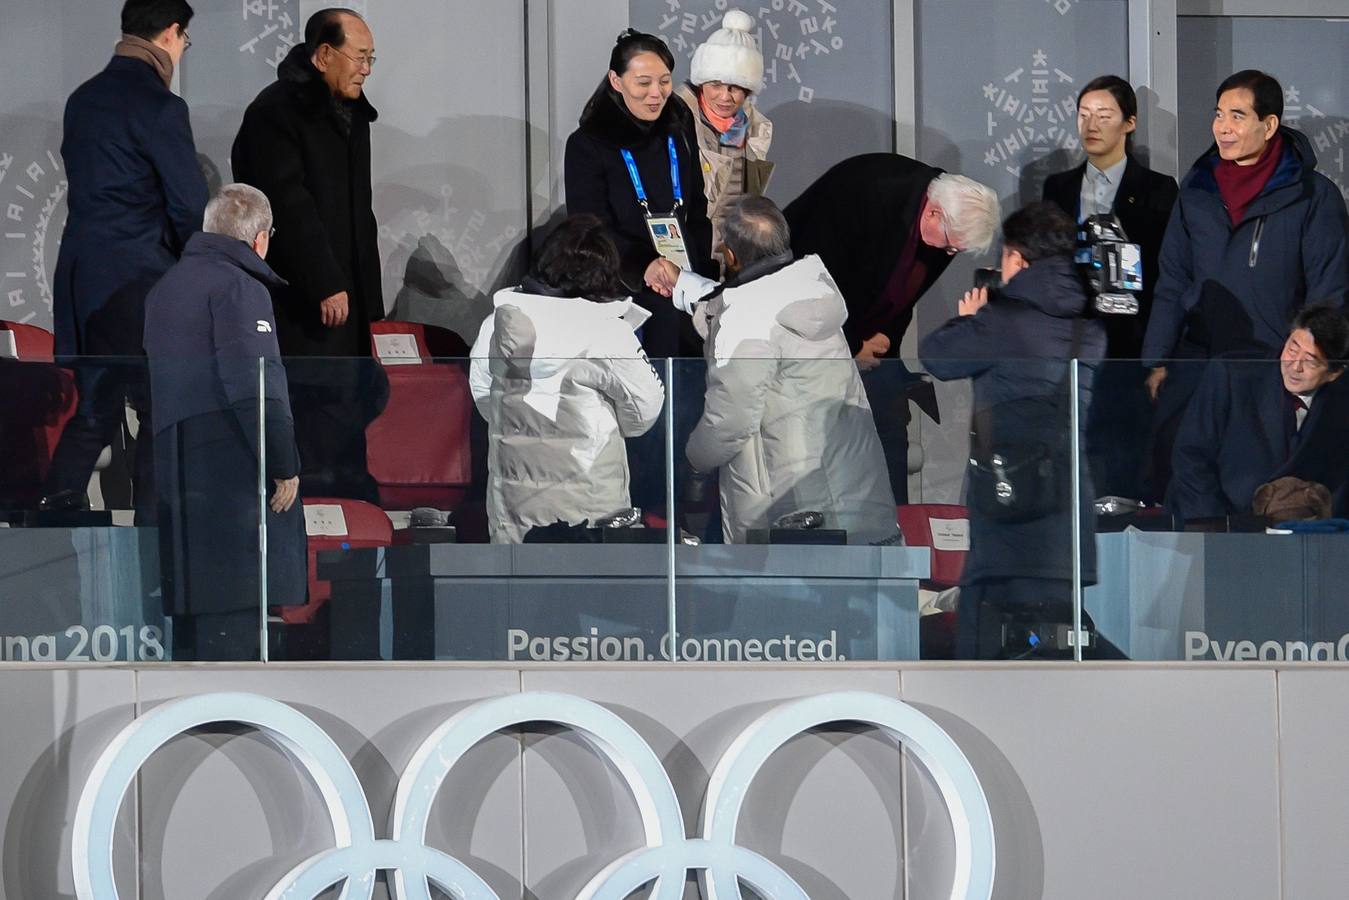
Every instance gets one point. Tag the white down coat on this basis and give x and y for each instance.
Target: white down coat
(561, 382)
(785, 417)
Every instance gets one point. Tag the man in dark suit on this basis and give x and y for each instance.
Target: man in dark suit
(305, 143)
(1250, 423)
(1112, 181)
(886, 227)
(137, 194)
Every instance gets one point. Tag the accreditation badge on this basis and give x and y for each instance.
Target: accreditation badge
(667, 236)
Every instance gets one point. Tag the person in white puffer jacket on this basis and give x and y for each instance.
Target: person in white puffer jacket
(559, 375)
(785, 418)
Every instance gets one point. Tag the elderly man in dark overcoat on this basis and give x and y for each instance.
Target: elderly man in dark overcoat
(210, 339)
(305, 142)
(136, 196)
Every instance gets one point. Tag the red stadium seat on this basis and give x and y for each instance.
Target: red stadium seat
(418, 449)
(366, 526)
(917, 520)
(937, 633)
(39, 399)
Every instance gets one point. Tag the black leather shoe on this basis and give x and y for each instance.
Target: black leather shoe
(65, 501)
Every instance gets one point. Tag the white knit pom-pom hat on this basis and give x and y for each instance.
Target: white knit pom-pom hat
(729, 55)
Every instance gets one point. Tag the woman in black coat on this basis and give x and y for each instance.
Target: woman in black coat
(1116, 182)
(633, 110)
(1015, 345)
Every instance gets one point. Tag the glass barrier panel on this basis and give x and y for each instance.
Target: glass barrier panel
(130, 493)
(803, 460)
(501, 508)
(1235, 551)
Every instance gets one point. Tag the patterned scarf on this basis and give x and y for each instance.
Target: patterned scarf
(732, 130)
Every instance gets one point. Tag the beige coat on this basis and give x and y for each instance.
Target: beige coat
(721, 163)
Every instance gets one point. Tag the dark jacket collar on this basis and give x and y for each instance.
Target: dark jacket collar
(1298, 166)
(760, 269)
(607, 118)
(1052, 285)
(297, 69)
(223, 248)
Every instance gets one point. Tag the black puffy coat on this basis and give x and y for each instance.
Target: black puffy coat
(311, 157)
(1017, 350)
(857, 217)
(597, 182)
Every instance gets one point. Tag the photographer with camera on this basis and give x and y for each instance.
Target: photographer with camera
(1112, 181)
(1013, 341)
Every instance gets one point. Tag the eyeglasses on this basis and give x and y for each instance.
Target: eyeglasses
(950, 248)
(187, 41)
(271, 232)
(365, 62)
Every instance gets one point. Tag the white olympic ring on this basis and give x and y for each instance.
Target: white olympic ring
(664, 859)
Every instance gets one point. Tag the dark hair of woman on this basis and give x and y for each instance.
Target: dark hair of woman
(1124, 95)
(630, 43)
(579, 260)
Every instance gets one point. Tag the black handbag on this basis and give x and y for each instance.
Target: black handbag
(1015, 477)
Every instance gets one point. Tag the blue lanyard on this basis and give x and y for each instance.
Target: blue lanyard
(675, 181)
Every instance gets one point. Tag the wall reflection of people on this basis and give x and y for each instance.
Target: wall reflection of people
(733, 135)
(561, 379)
(1014, 343)
(886, 228)
(1257, 233)
(1253, 422)
(1112, 181)
(208, 327)
(785, 419)
(632, 111)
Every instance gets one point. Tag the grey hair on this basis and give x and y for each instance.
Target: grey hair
(969, 210)
(755, 229)
(240, 211)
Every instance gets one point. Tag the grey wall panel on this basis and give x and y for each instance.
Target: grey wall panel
(849, 780)
(829, 86)
(48, 49)
(57, 722)
(1314, 780)
(1003, 112)
(1140, 783)
(377, 718)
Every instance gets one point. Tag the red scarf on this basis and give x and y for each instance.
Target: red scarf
(1240, 185)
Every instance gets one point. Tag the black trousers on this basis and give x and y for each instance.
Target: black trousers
(1009, 618)
(105, 389)
(218, 637)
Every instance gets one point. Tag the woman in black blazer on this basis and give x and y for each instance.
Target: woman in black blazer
(632, 110)
(1119, 420)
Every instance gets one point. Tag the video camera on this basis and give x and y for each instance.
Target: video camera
(1112, 266)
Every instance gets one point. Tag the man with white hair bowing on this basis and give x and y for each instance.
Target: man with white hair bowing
(887, 227)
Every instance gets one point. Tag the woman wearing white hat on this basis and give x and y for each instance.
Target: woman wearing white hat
(733, 136)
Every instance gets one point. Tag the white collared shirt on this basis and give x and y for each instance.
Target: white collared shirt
(1300, 414)
(1099, 189)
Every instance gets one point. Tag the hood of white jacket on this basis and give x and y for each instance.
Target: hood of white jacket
(551, 331)
(801, 298)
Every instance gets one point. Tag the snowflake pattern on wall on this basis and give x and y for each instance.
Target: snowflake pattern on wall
(793, 36)
(1032, 111)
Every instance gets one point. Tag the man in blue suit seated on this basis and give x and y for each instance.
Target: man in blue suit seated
(136, 195)
(1250, 423)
